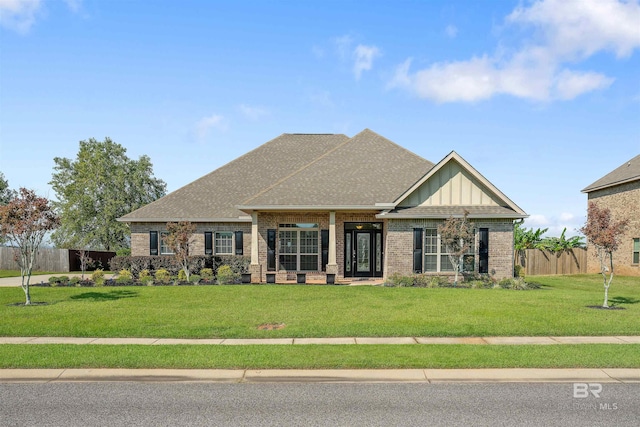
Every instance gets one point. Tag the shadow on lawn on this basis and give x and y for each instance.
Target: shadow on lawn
(105, 296)
(623, 300)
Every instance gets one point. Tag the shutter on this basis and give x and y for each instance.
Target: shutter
(208, 243)
(239, 242)
(153, 243)
(271, 250)
(483, 251)
(324, 242)
(417, 250)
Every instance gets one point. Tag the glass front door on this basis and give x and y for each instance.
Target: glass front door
(363, 250)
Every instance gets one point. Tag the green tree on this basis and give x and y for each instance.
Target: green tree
(6, 194)
(456, 234)
(561, 244)
(99, 186)
(24, 221)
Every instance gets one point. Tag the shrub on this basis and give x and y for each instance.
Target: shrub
(398, 280)
(206, 273)
(163, 276)
(74, 281)
(227, 276)
(124, 277)
(182, 276)
(98, 277)
(123, 252)
(194, 278)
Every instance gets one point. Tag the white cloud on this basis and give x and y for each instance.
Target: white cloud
(451, 31)
(555, 224)
(204, 125)
(364, 56)
(343, 45)
(253, 113)
(569, 30)
(18, 15)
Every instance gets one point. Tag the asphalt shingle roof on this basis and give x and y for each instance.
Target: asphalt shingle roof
(216, 195)
(446, 211)
(627, 172)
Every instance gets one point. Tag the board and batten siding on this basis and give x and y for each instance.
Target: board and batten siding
(451, 186)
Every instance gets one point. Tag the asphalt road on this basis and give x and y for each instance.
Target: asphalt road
(313, 404)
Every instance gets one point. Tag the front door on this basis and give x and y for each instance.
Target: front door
(363, 250)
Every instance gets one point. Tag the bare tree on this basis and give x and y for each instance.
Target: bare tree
(456, 234)
(604, 234)
(179, 240)
(85, 260)
(24, 221)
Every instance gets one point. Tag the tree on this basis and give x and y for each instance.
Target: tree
(456, 234)
(604, 234)
(179, 240)
(526, 239)
(24, 221)
(6, 194)
(99, 186)
(558, 245)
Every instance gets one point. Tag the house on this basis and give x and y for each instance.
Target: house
(619, 191)
(335, 207)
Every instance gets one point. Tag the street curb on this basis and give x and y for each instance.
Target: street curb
(426, 376)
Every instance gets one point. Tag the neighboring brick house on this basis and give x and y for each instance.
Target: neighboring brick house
(619, 191)
(335, 207)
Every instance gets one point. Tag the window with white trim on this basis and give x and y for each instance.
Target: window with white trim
(298, 247)
(223, 243)
(436, 257)
(164, 248)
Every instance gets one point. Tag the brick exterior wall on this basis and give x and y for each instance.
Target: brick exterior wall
(624, 202)
(140, 235)
(399, 245)
(397, 240)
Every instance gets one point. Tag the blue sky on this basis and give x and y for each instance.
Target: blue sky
(541, 97)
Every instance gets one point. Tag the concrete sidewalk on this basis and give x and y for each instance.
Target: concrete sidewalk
(329, 341)
(429, 376)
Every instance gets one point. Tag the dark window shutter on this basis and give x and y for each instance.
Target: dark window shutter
(208, 243)
(483, 251)
(417, 250)
(238, 235)
(153, 243)
(324, 242)
(271, 250)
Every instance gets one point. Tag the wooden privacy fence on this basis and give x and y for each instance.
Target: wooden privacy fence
(50, 259)
(539, 262)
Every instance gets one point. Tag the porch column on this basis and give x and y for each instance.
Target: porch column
(254, 268)
(332, 266)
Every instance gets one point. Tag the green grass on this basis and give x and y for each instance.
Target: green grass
(320, 356)
(559, 308)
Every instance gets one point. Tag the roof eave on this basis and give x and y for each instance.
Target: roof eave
(251, 208)
(590, 189)
(440, 216)
(170, 219)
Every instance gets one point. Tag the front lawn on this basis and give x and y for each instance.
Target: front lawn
(418, 356)
(558, 308)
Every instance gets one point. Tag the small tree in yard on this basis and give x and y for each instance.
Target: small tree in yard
(604, 234)
(456, 235)
(24, 221)
(179, 240)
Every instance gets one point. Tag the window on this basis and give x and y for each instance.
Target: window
(164, 248)
(436, 257)
(636, 251)
(224, 243)
(298, 247)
